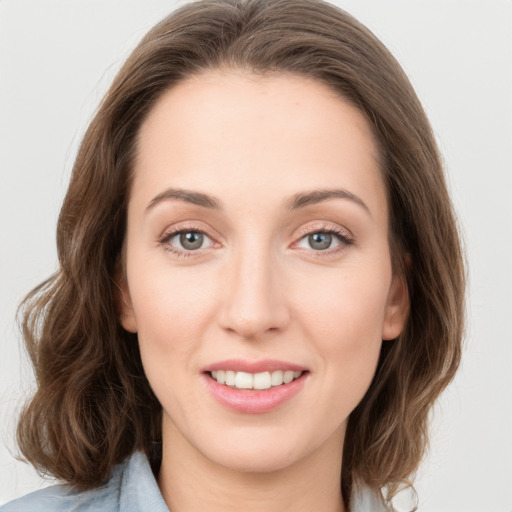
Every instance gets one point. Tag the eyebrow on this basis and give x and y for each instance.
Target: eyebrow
(187, 196)
(303, 199)
(300, 200)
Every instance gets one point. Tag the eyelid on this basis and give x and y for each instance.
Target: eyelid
(170, 232)
(325, 228)
(344, 236)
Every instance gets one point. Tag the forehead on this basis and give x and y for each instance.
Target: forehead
(227, 98)
(229, 130)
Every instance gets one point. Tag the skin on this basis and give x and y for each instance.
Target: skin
(256, 289)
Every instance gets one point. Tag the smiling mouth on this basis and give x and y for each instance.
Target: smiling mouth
(254, 381)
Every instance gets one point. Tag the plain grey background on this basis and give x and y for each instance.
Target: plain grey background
(57, 58)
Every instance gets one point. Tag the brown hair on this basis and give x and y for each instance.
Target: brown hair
(94, 406)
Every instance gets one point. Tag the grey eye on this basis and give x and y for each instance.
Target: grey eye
(320, 241)
(189, 240)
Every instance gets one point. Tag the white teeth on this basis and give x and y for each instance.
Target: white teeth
(277, 378)
(244, 380)
(287, 376)
(263, 380)
(230, 378)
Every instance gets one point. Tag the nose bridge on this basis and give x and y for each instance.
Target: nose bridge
(254, 302)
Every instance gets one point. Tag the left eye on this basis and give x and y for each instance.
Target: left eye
(320, 241)
(189, 240)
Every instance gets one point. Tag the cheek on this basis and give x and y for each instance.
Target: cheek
(348, 307)
(344, 318)
(170, 312)
(171, 309)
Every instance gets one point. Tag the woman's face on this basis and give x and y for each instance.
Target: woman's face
(257, 252)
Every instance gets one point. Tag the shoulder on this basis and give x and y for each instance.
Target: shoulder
(132, 486)
(62, 498)
(57, 498)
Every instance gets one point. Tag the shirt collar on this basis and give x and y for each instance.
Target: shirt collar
(138, 490)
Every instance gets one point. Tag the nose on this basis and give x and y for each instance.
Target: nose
(254, 299)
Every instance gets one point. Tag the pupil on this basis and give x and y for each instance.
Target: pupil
(191, 240)
(320, 241)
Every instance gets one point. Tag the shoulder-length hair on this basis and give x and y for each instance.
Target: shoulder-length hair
(93, 406)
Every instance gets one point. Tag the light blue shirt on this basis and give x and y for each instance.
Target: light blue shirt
(131, 488)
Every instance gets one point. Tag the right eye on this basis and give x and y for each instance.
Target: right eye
(185, 241)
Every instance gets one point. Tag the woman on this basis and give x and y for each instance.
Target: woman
(260, 287)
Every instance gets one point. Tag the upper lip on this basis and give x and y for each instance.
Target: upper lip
(264, 365)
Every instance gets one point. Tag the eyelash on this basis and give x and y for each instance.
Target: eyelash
(345, 240)
(169, 235)
(343, 237)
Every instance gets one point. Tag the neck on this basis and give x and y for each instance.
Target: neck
(190, 482)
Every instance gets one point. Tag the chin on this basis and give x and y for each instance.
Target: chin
(255, 459)
(262, 450)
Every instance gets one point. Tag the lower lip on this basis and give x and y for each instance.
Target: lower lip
(248, 401)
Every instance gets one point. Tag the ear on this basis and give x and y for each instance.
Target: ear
(397, 309)
(124, 304)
